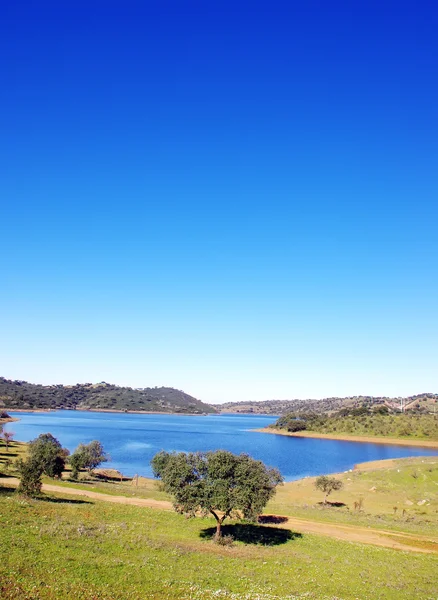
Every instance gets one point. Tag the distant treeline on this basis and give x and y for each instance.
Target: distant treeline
(24, 395)
(378, 421)
(425, 402)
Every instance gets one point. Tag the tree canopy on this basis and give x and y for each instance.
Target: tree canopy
(47, 452)
(87, 456)
(220, 483)
(328, 485)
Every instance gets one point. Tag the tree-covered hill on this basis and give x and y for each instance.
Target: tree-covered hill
(425, 402)
(379, 421)
(24, 395)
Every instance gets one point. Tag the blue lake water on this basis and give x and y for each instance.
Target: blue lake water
(133, 439)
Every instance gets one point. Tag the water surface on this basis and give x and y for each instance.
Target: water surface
(133, 439)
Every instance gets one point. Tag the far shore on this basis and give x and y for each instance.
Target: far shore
(105, 410)
(354, 438)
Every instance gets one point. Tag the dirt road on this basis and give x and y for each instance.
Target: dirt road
(349, 533)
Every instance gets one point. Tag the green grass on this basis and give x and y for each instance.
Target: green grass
(85, 550)
(403, 481)
(148, 488)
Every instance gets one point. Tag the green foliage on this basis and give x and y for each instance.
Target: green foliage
(30, 472)
(21, 394)
(328, 485)
(87, 456)
(47, 452)
(220, 483)
(366, 422)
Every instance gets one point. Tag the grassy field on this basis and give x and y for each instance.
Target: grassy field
(390, 492)
(65, 547)
(56, 549)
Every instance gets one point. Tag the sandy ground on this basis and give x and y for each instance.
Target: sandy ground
(363, 535)
(354, 438)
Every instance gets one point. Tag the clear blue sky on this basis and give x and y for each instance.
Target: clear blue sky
(237, 199)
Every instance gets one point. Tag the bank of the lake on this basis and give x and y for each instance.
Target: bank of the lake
(415, 442)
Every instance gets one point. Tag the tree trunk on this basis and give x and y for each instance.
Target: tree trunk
(218, 524)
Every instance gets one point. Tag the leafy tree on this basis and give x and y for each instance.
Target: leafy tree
(328, 485)
(294, 426)
(87, 456)
(46, 451)
(7, 438)
(220, 483)
(76, 462)
(30, 471)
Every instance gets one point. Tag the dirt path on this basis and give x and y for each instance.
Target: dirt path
(349, 533)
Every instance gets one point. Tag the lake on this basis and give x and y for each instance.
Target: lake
(133, 439)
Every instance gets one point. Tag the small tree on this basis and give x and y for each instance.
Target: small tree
(76, 462)
(220, 483)
(328, 485)
(7, 438)
(87, 456)
(49, 454)
(30, 472)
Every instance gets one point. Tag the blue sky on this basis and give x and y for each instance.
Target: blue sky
(235, 199)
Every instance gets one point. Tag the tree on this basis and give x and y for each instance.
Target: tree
(30, 472)
(328, 485)
(87, 456)
(296, 425)
(46, 451)
(7, 438)
(220, 483)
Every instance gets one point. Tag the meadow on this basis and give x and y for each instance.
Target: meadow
(67, 548)
(62, 546)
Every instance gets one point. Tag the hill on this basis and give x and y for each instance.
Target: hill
(88, 396)
(364, 421)
(426, 402)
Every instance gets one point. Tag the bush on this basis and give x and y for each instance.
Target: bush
(30, 477)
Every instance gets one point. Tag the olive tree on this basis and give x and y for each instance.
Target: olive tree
(328, 485)
(218, 483)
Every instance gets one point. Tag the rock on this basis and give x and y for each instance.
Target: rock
(373, 489)
(409, 503)
(421, 502)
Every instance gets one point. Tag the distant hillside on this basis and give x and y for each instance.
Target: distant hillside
(421, 402)
(364, 421)
(24, 395)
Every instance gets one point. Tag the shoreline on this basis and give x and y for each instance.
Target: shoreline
(354, 438)
(106, 410)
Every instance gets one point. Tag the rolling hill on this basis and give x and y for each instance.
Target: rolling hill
(426, 402)
(88, 396)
